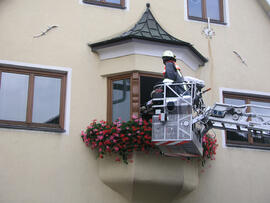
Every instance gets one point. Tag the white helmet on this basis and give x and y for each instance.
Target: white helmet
(168, 53)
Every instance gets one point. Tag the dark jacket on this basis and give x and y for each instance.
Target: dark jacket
(171, 72)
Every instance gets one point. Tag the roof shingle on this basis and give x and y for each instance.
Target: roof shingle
(147, 28)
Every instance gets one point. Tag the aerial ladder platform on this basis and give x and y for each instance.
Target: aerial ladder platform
(180, 118)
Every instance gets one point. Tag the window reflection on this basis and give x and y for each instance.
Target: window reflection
(113, 1)
(260, 139)
(195, 8)
(260, 110)
(234, 101)
(46, 103)
(13, 96)
(212, 7)
(121, 99)
(204, 9)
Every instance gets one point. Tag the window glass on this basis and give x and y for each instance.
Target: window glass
(113, 1)
(260, 139)
(236, 136)
(202, 9)
(46, 104)
(212, 8)
(121, 99)
(256, 139)
(32, 99)
(13, 96)
(195, 8)
(260, 110)
(234, 101)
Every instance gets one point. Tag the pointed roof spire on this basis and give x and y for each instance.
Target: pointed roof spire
(147, 28)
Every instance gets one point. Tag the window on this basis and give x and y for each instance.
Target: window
(202, 9)
(246, 139)
(109, 3)
(32, 99)
(126, 93)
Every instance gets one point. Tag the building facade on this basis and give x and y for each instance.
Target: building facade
(65, 63)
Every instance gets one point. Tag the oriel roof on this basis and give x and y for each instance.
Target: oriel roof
(147, 28)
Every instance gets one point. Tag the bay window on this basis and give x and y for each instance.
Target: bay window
(128, 92)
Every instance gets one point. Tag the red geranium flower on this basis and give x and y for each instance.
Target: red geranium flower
(119, 137)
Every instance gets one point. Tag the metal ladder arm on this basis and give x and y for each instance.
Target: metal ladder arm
(234, 118)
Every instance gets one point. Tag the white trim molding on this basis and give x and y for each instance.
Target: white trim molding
(16, 64)
(148, 48)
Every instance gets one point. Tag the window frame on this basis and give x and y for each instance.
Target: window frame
(134, 77)
(107, 4)
(247, 98)
(204, 13)
(28, 124)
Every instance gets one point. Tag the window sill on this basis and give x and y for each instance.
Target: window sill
(21, 127)
(205, 20)
(246, 146)
(111, 5)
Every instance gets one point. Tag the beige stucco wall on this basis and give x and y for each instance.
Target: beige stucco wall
(48, 167)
